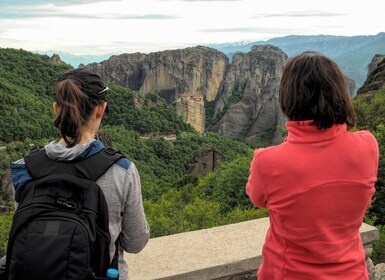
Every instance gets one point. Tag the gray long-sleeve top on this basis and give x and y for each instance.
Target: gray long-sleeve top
(122, 189)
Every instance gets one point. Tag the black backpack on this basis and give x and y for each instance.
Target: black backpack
(60, 228)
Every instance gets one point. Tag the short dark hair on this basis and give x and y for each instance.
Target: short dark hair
(313, 87)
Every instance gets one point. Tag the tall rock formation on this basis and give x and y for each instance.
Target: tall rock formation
(247, 102)
(376, 75)
(197, 71)
(192, 108)
(373, 64)
(125, 70)
(242, 96)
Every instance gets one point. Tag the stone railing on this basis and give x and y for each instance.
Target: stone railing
(231, 252)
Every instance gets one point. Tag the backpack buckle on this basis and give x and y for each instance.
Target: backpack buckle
(110, 151)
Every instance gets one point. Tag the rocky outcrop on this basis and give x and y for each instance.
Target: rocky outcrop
(247, 103)
(376, 272)
(379, 273)
(192, 108)
(376, 75)
(241, 97)
(125, 70)
(244, 93)
(207, 159)
(197, 70)
(373, 64)
(55, 59)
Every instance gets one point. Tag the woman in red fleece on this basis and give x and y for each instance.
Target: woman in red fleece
(319, 182)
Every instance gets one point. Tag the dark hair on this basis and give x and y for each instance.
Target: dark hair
(313, 87)
(78, 92)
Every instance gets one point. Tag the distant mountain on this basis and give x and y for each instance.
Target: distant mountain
(76, 60)
(352, 53)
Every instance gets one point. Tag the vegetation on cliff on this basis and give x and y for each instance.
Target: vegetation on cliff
(370, 109)
(26, 92)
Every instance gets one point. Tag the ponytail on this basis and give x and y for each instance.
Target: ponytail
(75, 109)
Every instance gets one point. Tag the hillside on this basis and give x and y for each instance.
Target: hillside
(26, 95)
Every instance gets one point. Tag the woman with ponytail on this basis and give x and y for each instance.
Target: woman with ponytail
(79, 108)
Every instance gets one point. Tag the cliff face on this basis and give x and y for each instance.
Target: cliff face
(125, 70)
(198, 70)
(373, 64)
(192, 108)
(376, 75)
(244, 93)
(253, 78)
(195, 71)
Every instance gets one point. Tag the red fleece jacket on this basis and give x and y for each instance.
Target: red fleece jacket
(317, 186)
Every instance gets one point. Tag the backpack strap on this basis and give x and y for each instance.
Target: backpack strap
(40, 165)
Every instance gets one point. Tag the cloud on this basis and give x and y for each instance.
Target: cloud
(208, 0)
(51, 12)
(13, 3)
(301, 14)
(248, 30)
(151, 16)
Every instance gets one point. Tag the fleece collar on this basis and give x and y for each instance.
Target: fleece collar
(60, 152)
(305, 132)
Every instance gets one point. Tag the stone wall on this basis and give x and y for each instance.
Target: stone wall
(231, 252)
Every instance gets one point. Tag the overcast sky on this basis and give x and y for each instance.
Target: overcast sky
(110, 26)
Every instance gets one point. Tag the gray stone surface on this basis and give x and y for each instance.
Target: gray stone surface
(375, 79)
(255, 76)
(380, 271)
(206, 160)
(371, 270)
(231, 252)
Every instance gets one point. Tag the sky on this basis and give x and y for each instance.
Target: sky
(96, 27)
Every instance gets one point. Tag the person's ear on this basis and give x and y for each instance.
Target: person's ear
(56, 108)
(100, 110)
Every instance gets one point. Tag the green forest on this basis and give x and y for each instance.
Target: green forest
(175, 198)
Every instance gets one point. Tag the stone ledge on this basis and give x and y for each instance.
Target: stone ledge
(216, 253)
